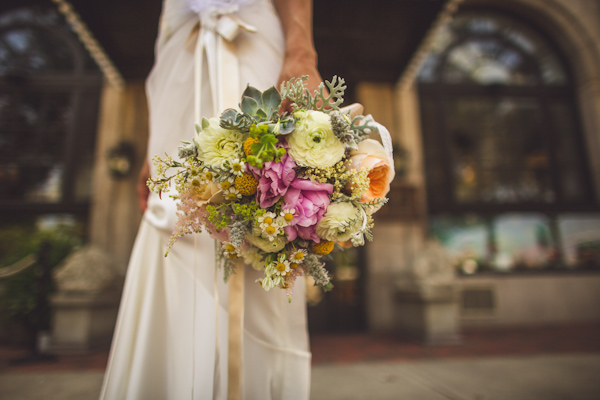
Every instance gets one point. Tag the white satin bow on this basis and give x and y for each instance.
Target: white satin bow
(217, 30)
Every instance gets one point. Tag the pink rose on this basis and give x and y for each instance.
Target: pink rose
(273, 180)
(372, 155)
(310, 201)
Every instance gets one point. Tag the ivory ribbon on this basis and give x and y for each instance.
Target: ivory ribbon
(213, 36)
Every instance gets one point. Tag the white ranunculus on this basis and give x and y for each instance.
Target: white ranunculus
(217, 145)
(313, 143)
(266, 245)
(339, 222)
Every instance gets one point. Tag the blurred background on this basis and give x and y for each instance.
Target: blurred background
(493, 223)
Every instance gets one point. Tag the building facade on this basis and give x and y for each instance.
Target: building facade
(494, 216)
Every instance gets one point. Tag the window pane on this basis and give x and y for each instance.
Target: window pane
(569, 155)
(465, 238)
(523, 242)
(33, 128)
(580, 236)
(487, 48)
(499, 151)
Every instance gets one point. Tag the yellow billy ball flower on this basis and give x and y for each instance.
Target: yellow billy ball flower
(323, 247)
(249, 142)
(246, 184)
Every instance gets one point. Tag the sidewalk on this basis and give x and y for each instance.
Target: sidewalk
(528, 364)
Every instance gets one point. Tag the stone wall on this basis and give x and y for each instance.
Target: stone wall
(115, 216)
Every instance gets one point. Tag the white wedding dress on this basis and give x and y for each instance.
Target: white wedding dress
(165, 345)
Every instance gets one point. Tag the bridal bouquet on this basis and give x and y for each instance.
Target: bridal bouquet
(280, 190)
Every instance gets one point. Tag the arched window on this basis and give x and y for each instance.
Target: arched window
(49, 93)
(503, 148)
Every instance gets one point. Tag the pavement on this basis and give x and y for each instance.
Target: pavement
(547, 363)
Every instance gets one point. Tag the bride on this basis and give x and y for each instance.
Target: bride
(166, 344)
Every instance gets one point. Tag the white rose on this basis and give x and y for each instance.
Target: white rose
(217, 145)
(313, 142)
(339, 222)
(266, 245)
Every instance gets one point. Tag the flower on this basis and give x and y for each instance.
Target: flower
(372, 155)
(246, 184)
(266, 219)
(237, 167)
(210, 193)
(217, 145)
(339, 223)
(298, 256)
(232, 194)
(273, 180)
(248, 143)
(282, 266)
(229, 250)
(227, 183)
(309, 200)
(323, 247)
(313, 142)
(253, 257)
(288, 214)
(265, 245)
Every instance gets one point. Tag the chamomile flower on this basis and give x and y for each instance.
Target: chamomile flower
(270, 231)
(282, 266)
(280, 222)
(237, 167)
(267, 219)
(232, 194)
(288, 214)
(229, 250)
(227, 183)
(298, 256)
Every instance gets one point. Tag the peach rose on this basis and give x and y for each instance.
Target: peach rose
(372, 155)
(211, 193)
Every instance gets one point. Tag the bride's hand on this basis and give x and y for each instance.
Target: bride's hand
(142, 189)
(300, 55)
(295, 66)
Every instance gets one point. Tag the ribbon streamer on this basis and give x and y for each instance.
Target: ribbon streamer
(214, 35)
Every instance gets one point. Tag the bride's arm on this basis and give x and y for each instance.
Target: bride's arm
(300, 56)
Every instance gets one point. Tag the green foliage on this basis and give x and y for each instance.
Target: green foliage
(301, 98)
(18, 292)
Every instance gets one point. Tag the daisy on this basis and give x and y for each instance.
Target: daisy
(288, 214)
(232, 194)
(229, 250)
(270, 231)
(266, 220)
(227, 183)
(282, 266)
(237, 167)
(298, 256)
